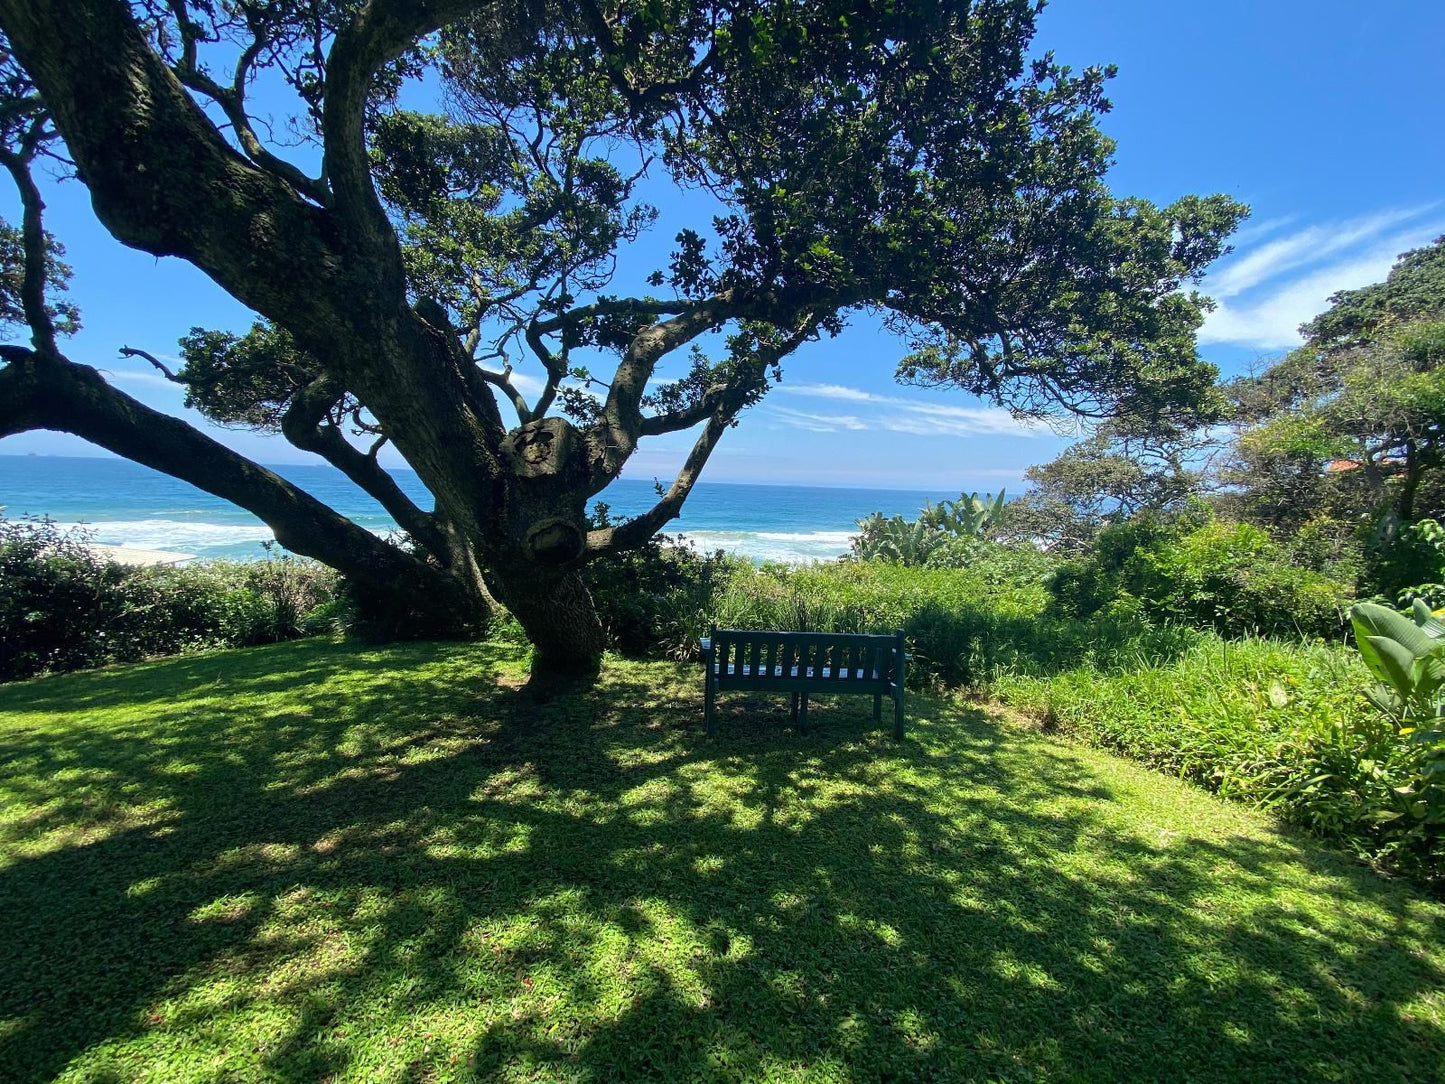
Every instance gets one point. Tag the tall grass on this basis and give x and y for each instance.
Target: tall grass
(1276, 724)
(962, 626)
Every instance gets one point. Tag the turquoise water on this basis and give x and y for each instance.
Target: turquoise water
(122, 503)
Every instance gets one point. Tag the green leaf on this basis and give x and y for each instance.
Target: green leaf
(1372, 619)
(1395, 662)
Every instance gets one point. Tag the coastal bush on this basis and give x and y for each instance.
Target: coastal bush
(658, 599)
(1209, 573)
(962, 625)
(62, 607)
(969, 519)
(1412, 565)
(1279, 725)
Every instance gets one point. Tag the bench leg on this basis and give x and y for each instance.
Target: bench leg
(708, 698)
(898, 715)
(793, 713)
(877, 707)
(803, 711)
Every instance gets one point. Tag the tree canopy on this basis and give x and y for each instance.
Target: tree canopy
(460, 181)
(1353, 420)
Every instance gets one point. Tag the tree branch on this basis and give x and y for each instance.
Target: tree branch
(503, 380)
(640, 528)
(623, 409)
(132, 352)
(727, 401)
(630, 306)
(306, 426)
(677, 420)
(232, 100)
(72, 398)
(32, 232)
(381, 32)
(163, 179)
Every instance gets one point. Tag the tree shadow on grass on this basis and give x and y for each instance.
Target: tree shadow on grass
(308, 861)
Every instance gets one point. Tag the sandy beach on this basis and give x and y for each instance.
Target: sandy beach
(135, 555)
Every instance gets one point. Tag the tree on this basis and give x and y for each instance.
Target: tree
(1125, 466)
(1353, 422)
(908, 158)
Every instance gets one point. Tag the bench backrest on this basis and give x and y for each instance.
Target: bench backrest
(840, 654)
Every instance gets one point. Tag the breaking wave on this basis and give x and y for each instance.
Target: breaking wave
(785, 547)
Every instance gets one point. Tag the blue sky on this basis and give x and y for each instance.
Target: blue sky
(1323, 116)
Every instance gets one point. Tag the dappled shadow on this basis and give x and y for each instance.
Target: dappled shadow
(308, 860)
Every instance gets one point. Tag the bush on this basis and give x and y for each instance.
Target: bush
(659, 598)
(962, 625)
(64, 608)
(1400, 557)
(1207, 573)
(1412, 565)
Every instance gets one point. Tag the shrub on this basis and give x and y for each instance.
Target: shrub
(1207, 573)
(962, 625)
(970, 518)
(659, 598)
(64, 608)
(1414, 565)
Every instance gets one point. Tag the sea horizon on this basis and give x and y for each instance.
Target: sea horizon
(117, 502)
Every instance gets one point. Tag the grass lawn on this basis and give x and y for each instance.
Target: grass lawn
(321, 861)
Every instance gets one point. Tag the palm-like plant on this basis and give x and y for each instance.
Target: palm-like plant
(1407, 655)
(909, 542)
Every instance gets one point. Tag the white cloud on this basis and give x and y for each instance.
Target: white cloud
(146, 377)
(1252, 231)
(818, 423)
(1270, 319)
(528, 385)
(958, 421)
(1302, 248)
(900, 415)
(833, 391)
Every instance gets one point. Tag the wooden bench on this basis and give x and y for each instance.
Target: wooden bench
(805, 662)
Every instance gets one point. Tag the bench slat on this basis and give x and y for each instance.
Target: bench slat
(806, 662)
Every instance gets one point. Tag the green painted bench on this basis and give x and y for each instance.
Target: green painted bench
(751, 660)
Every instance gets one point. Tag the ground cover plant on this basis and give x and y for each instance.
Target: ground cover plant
(1206, 572)
(320, 861)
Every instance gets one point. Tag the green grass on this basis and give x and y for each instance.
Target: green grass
(316, 861)
(1282, 725)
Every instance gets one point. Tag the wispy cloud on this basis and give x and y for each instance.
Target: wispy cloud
(1265, 293)
(818, 423)
(954, 421)
(833, 391)
(899, 415)
(1255, 229)
(1305, 247)
(527, 384)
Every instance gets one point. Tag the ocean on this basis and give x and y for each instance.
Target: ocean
(124, 504)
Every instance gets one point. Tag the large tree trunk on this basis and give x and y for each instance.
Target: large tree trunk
(163, 179)
(557, 613)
